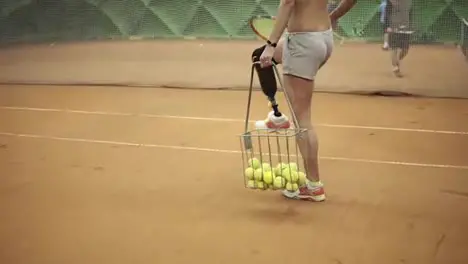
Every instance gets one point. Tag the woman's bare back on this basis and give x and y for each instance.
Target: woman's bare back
(309, 16)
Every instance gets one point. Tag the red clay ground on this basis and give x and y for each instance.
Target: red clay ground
(429, 70)
(74, 189)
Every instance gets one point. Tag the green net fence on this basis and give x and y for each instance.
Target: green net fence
(464, 37)
(65, 20)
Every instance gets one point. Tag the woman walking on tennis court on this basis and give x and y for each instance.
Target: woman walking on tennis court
(307, 46)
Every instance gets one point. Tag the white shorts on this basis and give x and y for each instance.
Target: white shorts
(305, 52)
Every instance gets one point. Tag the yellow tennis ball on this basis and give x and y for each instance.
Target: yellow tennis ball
(254, 163)
(293, 166)
(279, 168)
(260, 185)
(292, 187)
(266, 167)
(251, 184)
(290, 166)
(268, 177)
(279, 182)
(302, 178)
(277, 171)
(249, 173)
(281, 165)
(258, 174)
(290, 175)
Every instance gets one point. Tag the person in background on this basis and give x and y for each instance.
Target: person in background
(332, 4)
(399, 31)
(384, 19)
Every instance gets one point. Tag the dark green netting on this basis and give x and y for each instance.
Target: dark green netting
(53, 20)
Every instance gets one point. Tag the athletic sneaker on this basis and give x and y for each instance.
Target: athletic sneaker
(385, 46)
(396, 71)
(273, 122)
(308, 192)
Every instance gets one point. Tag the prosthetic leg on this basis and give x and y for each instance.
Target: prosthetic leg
(266, 77)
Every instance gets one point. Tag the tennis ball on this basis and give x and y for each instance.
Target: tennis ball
(260, 185)
(292, 187)
(279, 168)
(251, 184)
(302, 178)
(266, 167)
(254, 163)
(277, 171)
(290, 175)
(293, 166)
(268, 177)
(279, 182)
(290, 166)
(258, 174)
(249, 173)
(281, 165)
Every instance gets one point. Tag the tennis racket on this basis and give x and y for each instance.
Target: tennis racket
(263, 25)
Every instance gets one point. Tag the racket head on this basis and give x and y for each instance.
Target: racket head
(262, 26)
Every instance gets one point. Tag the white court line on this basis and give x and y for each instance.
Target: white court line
(215, 119)
(183, 148)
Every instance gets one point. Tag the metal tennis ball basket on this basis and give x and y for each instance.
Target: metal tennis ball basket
(270, 158)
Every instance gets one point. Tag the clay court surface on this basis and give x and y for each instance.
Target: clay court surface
(436, 71)
(115, 175)
(128, 175)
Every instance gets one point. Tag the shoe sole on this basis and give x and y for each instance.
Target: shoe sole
(273, 129)
(398, 74)
(308, 198)
(276, 130)
(280, 127)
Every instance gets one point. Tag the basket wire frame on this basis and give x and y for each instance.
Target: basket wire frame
(270, 146)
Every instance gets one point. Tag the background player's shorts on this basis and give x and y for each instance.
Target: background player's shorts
(399, 40)
(305, 52)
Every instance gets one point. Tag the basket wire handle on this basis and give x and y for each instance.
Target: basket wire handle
(286, 96)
